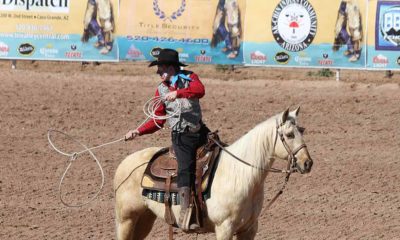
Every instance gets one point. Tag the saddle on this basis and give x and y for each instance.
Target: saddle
(160, 177)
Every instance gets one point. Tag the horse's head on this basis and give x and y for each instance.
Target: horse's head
(289, 143)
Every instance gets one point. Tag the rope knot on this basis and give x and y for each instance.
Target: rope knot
(74, 156)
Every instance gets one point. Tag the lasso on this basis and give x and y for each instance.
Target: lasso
(149, 110)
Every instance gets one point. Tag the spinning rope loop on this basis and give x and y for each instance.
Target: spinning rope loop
(149, 110)
(73, 156)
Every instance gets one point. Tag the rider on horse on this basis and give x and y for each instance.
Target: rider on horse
(188, 130)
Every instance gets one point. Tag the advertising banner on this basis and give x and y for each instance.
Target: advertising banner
(384, 35)
(305, 33)
(58, 30)
(202, 31)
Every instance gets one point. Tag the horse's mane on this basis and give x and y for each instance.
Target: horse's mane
(255, 148)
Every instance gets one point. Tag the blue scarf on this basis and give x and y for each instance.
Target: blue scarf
(177, 76)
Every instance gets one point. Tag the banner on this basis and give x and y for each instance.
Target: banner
(54, 30)
(357, 34)
(202, 31)
(305, 33)
(384, 35)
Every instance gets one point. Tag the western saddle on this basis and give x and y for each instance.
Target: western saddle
(160, 177)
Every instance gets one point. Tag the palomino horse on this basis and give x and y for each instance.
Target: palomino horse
(237, 191)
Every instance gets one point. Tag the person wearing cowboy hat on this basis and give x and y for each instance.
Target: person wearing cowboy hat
(188, 130)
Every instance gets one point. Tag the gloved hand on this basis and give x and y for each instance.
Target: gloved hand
(132, 134)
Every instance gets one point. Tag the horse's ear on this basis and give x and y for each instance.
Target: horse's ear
(285, 116)
(295, 112)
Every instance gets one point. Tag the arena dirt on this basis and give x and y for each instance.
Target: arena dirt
(352, 132)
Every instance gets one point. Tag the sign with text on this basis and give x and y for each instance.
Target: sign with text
(384, 35)
(58, 30)
(202, 31)
(305, 33)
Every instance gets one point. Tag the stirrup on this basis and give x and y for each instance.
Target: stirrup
(184, 219)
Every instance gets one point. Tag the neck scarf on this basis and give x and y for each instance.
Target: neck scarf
(177, 76)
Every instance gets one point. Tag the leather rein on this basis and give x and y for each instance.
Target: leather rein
(291, 166)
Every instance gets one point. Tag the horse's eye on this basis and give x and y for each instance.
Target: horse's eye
(301, 130)
(290, 135)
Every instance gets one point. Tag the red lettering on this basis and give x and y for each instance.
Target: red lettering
(203, 58)
(380, 60)
(73, 54)
(254, 56)
(134, 53)
(325, 62)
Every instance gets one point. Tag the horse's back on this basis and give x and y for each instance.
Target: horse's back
(134, 162)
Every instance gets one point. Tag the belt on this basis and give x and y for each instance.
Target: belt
(188, 129)
(193, 129)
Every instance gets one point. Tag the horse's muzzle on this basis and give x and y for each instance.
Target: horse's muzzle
(306, 168)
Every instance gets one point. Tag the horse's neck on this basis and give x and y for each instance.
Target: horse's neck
(255, 148)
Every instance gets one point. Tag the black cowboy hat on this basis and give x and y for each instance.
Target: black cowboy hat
(169, 57)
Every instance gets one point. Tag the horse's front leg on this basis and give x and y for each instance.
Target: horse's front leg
(249, 233)
(224, 231)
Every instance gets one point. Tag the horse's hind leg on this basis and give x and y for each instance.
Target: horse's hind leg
(144, 225)
(128, 210)
(249, 234)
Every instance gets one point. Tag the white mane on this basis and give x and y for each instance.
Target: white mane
(255, 148)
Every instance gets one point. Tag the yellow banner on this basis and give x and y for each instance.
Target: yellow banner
(59, 29)
(169, 18)
(259, 14)
(305, 33)
(204, 31)
(66, 17)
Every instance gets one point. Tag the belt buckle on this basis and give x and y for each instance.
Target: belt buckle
(194, 129)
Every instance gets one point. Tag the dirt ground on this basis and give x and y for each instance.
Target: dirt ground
(353, 135)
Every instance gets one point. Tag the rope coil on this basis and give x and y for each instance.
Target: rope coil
(149, 109)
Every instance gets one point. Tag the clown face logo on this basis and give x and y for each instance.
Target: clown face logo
(294, 24)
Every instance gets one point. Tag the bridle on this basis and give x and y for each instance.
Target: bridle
(292, 159)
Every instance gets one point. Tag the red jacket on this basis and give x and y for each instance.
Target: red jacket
(195, 90)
